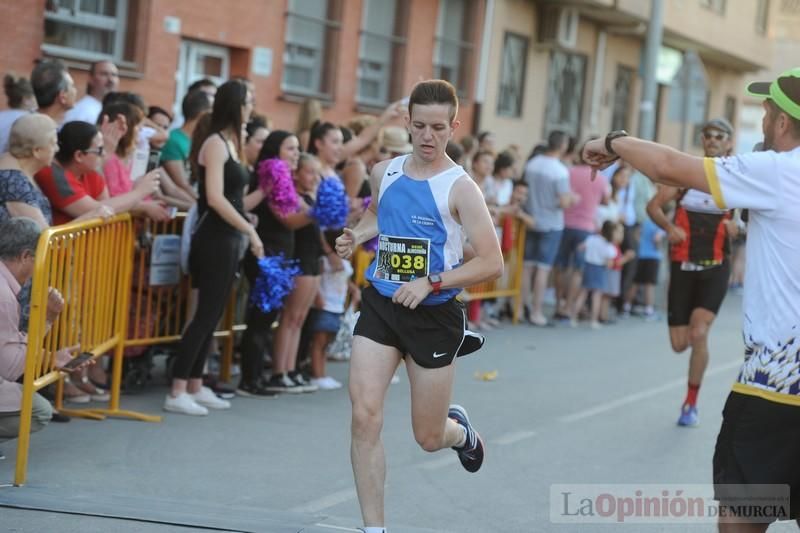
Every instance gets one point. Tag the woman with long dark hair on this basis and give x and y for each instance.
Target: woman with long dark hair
(215, 248)
(283, 149)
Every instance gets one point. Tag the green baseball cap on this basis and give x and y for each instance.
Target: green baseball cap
(784, 91)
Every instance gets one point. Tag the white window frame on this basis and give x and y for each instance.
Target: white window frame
(515, 109)
(188, 54)
(385, 78)
(462, 86)
(78, 18)
(315, 65)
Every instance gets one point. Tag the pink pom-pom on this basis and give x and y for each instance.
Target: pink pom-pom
(275, 179)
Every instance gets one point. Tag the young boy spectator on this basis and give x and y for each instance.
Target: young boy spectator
(646, 276)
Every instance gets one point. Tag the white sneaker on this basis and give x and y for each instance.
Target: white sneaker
(207, 398)
(326, 383)
(184, 404)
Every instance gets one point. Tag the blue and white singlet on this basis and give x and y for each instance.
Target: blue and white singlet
(417, 234)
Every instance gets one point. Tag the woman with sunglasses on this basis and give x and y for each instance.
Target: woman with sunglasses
(73, 183)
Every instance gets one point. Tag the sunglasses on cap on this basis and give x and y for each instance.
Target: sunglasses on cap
(777, 91)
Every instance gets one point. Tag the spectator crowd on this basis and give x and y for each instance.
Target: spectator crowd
(591, 250)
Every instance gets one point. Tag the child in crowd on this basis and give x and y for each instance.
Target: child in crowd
(329, 308)
(599, 254)
(647, 267)
(614, 273)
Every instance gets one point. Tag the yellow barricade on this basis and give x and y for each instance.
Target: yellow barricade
(361, 261)
(90, 264)
(510, 283)
(158, 314)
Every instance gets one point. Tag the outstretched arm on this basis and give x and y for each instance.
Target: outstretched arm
(660, 163)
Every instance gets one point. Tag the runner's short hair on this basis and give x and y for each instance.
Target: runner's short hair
(434, 92)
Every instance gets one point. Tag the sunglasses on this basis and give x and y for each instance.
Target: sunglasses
(98, 151)
(718, 136)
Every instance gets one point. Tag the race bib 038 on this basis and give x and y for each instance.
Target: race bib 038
(402, 259)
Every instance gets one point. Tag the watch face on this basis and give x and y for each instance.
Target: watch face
(435, 278)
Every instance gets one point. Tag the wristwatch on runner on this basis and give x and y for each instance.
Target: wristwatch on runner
(616, 134)
(436, 282)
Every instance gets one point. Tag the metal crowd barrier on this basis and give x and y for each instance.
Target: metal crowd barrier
(509, 285)
(90, 264)
(159, 311)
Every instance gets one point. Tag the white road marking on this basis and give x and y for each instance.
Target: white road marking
(636, 396)
(326, 502)
(337, 528)
(511, 438)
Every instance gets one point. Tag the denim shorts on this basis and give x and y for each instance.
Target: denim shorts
(541, 247)
(568, 253)
(327, 321)
(595, 277)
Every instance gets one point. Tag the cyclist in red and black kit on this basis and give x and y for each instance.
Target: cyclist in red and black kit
(699, 236)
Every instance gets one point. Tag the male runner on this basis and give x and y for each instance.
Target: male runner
(759, 439)
(699, 268)
(424, 201)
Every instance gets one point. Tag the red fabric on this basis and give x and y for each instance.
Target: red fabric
(63, 188)
(507, 242)
(680, 251)
(691, 395)
(474, 311)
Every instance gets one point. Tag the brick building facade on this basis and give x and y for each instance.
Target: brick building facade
(354, 55)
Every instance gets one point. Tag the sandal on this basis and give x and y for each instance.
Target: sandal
(96, 394)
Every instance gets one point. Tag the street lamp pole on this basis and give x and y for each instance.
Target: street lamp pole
(647, 108)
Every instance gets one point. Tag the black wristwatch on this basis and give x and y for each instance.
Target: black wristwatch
(616, 134)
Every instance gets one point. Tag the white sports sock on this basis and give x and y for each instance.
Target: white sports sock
(462, 442)
(373, 529)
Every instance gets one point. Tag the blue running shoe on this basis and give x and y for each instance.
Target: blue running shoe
(471, 454)
(688, 416)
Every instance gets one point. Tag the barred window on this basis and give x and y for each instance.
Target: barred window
(309, 57)
(512, 75)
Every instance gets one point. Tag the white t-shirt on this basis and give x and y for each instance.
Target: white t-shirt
(768, 184)
(87, 109)
(497, 191)
(7, 119)
(333, 286)
(598, 250)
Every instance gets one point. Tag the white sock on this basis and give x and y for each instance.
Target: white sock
(373, 529)
(463, 441)
(649, 310)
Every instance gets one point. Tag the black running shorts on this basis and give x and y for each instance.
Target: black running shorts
(433, 335)
(689, 290)
(647, 271)
(758, 443)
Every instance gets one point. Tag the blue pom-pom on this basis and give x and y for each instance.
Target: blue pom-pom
(332, 205)
(274, 282)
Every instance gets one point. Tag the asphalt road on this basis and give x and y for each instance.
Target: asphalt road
(567, 407)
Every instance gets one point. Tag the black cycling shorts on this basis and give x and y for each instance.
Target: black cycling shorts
(758, 444)
(433, 335)
(689, 290)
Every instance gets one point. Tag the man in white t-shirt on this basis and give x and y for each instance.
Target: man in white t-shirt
(548, 180)
(759, 442)
(103, 79)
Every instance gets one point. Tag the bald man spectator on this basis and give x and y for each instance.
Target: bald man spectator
(103, 79)
(54, 89)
